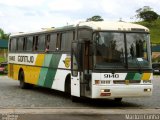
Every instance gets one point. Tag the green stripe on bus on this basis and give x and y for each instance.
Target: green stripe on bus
(52, 70)
(44, 71)
(137, 76)
(42, 76)
(130, 76)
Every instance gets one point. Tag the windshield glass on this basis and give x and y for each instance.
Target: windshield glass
(109, 49)
(137, 50)
(111, 52)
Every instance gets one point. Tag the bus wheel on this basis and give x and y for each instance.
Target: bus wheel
(68, 85)
(118, 99)
(23, 85)
(75, 99)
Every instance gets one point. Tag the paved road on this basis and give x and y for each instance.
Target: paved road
(12, 96)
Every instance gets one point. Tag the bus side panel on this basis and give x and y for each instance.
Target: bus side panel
(13, 71)
(32, 73)
(62, 72)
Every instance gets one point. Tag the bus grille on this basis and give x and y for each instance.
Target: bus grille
(124, 81)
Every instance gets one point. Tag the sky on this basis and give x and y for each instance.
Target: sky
(32, 15)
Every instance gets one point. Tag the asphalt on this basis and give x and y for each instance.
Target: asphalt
(76, 111)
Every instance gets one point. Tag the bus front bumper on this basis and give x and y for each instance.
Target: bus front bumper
(120, 91)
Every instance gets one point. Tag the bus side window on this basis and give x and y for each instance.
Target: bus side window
(52, 43)
(20, 43)
(41, 43)
(63, 42)
(13, 44)
(85, 34)
(35, 43)
(47, 41)
(29, 43)
(58, 43)
(66, 40)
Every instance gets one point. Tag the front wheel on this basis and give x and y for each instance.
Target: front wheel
(118, 99)
(75, 99)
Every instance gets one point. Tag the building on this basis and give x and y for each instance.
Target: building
(3, 49)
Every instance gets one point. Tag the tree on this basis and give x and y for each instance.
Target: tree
(95, 18)
(3, 35)
(147, 14)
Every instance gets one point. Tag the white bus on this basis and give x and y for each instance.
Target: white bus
(98, 60)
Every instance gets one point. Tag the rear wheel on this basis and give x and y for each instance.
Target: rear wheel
(23, 85)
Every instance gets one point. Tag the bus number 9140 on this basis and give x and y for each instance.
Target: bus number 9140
(111, 75)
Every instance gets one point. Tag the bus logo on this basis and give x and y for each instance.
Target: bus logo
(67, 62)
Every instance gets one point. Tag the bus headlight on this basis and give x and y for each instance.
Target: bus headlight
(147, 90)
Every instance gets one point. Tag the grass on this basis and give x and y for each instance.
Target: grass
(2, 59)
(154, 28)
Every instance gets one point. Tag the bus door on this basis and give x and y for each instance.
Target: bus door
(81, 69)
(87, 67)
(75, 76)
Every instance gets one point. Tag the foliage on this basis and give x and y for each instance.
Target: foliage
(147, 14)
(2, 59)
(95, 18)
(3, 35)
(154, 28)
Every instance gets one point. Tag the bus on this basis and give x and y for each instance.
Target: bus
(97, 60)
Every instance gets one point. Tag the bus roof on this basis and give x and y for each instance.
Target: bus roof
(117, 26)
(100, 25)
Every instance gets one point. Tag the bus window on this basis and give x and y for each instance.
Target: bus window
(67, 38)
(85, 34)
(58, 43)
(47, 41)
(52, 45)
(13, 45)
(21, 44)
(29, 44)
(35, 43)
(41, 43)
(63, 42)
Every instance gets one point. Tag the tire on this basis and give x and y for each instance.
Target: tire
(75, 99)
(118, 99)
(23, 85)
(68, 85)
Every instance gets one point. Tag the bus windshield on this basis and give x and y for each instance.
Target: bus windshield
(121, 50)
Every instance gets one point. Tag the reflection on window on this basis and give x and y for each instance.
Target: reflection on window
(137, 50)
(109, 47)
(136, 46)
(29, 43)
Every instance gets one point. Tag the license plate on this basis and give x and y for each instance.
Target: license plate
(156, 70)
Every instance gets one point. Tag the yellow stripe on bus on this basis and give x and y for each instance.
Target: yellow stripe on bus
(34, 72)
(146, 76)
(40, 60)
